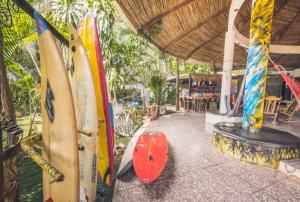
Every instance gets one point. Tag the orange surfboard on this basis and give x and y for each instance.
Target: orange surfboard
(150, 156)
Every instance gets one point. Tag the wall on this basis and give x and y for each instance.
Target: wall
(274, 86)
(296, 73)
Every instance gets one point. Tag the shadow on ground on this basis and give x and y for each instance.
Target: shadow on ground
(158, 189)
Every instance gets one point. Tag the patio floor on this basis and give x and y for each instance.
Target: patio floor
(197, 172)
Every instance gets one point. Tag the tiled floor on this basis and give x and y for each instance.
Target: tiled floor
(197, 172)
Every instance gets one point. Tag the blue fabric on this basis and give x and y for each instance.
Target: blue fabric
(41, 25)
(111, 115)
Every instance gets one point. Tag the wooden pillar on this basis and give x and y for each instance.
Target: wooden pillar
(10, 169)
(177, 84)
(190, 84)
(257, 64)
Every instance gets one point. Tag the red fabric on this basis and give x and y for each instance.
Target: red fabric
(293, 84)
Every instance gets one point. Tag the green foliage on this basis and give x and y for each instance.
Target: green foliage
(128, 58)
(192, 68)
(156, 84)
(187, 68)
(26, 93)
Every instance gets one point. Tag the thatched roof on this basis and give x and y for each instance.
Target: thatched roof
(195, 29)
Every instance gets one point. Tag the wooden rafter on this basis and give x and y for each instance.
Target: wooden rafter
(164, 14)
(128, 15)
(204, 44)
(192, 29)
(286, 29)
(220, 54)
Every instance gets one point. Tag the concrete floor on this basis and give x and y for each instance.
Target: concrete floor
(197, 172)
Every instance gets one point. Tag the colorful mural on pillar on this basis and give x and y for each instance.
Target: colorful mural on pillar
(257, 63)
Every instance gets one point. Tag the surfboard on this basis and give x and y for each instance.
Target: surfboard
(90, 39)
(60, 144)
(150, 156)
(84, 97)
(107, 104)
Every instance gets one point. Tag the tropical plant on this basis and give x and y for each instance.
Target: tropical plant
(156, 84)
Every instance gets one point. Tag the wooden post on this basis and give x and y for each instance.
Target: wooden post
(257, 64)
(10, 169)
(177, 84)
(190, 84)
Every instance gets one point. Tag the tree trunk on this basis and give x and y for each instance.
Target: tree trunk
(1, 150)
(10, 169)
(177, 84)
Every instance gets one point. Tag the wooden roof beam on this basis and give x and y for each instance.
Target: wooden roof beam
(164, 14)
(128, 14)
(220, 54)
(203, 44)
(198, 26)
(286, 29)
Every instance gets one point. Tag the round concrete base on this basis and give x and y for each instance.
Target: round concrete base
(214, 117)
(266, 148)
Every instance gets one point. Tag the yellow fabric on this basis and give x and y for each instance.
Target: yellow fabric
(87, 35)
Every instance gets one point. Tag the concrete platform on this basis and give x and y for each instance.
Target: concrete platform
(196, 171)
(214, 117)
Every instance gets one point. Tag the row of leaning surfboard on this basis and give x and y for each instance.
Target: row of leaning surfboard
(76, 113)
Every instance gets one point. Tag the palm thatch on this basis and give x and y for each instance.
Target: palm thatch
(195, 29)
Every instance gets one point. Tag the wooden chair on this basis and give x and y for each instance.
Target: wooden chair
(212, 104)
(187, 104)
(203, 104)
(288, 108)
(271, 107)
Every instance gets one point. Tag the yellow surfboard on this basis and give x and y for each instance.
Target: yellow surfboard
(60, 144)
(86, 33)
(84, 97)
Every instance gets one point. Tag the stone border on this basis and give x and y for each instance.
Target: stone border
(253, 152)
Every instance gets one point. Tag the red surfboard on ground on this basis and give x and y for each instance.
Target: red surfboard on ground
(150, 156)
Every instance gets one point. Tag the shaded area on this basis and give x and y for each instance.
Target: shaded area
(201, 173)
(30, 179)
(155, 191)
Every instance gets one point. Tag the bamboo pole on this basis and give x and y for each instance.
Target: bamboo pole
(257, 64)
(56, 176)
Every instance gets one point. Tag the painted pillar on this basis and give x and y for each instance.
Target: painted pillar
(227, 70)
(257, 63)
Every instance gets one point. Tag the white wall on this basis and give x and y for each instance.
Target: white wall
(296, 73)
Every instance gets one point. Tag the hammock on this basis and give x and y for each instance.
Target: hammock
(293, 84)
